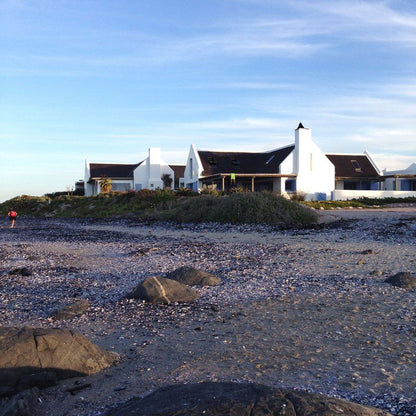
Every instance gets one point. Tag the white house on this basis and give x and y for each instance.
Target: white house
(120, 174)
(146, 174)
(301, 167)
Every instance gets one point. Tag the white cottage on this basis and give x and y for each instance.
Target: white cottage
(146, 174)
(300, 167)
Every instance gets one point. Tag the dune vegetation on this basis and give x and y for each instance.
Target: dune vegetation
(183, 207)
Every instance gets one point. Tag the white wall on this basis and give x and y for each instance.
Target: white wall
(288, 165)
(344, 195)
(149, 173)
(315, 172)
(88, 188)
(193, 170)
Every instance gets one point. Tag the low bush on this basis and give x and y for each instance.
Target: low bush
(236, 208)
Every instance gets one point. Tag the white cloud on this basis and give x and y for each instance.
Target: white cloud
(369, 21)
(393, 162)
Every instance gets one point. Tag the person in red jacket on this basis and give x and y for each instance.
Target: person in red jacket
(12, 216)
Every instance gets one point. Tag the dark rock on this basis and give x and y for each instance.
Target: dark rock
(40, 380)
(35, 357)
(22, 404)
(76, 389)
(405, 280)
(220, 399)
(73, 310)
(161, 290)
(23, 271)
(369, 251)
(193, 277)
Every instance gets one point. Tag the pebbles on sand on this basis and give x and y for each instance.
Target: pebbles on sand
(297, 309)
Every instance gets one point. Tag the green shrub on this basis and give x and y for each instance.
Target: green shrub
(236, 208)
(297, 196)
(185, 192)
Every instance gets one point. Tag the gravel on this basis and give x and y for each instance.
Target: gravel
(305, 309)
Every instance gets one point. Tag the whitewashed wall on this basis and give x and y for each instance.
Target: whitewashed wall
(315, 172)
(149, 173)
(344, 195)
(88, 187)
(193, 169)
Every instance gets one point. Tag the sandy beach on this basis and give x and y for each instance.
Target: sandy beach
(306, 309)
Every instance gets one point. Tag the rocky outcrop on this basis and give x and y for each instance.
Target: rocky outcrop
(161, 290)
(219, 399)
(39, 357)
(193, 277)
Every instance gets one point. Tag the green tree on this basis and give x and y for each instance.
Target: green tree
(105, 184)
(167, 180)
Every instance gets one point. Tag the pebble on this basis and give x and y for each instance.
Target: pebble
(266, 272)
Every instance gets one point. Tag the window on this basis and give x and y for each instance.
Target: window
(356, 166)
(270, 159)
(290, 185)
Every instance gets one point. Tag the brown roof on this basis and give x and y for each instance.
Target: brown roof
(353, 166)
(215, 163)
(179, 170)
(112, 170)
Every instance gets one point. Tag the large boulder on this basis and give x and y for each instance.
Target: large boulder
(405, 280)
(161, 290)
(193, 277)
(221, 399)
(39, 357)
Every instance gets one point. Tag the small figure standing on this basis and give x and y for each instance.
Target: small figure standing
(12, 216)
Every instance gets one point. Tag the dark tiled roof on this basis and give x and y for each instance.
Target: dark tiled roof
(112, 170)
(239, 162)
(353, 166)
(179, 170)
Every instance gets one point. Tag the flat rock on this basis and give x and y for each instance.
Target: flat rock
(73, 310)
(405, 280)
(193, 277)
(221, 399)
(22, 404)
(161, 290)
(38, 357)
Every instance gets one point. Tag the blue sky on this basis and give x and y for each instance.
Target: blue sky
(106, 80)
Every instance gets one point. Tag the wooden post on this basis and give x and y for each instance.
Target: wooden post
(223, 182)
(252, 184)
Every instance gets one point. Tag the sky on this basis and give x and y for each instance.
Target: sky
(106, 80)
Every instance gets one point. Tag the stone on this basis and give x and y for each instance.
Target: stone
(193, 277)
(405, 280)
(243, 399)
(38, 357)
(73, 310)
(161, 290)
(23, 271)
(22, 404)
